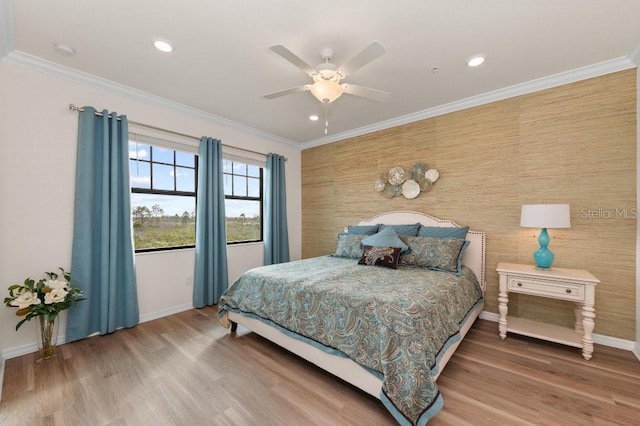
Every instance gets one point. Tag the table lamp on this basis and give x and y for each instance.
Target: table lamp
(544, 216)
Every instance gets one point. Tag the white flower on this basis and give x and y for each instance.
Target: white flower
(26, 299)
(55, 295)
(55, 284)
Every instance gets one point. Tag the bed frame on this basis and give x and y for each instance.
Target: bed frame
(345, 368)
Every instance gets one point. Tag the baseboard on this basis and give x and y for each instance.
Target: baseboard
(164, 312)
(32, 347)
(614, 342)
(489, 316)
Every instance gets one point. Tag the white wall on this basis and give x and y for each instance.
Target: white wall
(37, 174)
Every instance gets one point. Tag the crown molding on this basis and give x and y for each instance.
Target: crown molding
(536, 85)
(26, 60)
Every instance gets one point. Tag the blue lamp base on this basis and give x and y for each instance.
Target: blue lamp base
(543, 256)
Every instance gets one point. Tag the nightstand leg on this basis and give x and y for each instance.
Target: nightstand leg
(503, 308)
(588, 316)
(578, 325)
(503, 301)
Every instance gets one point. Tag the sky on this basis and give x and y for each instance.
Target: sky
(184, 175)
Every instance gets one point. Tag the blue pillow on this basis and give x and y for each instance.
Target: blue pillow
(385, 238)
(439, 254)
(404, 230)
(349, 245)
(443, 232)
(362, 229)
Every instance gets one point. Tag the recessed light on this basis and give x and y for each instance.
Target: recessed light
(64, 49)
(163, 46)
(314, 117)
(476, 60)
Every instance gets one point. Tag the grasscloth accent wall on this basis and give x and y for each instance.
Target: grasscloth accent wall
(572, 144)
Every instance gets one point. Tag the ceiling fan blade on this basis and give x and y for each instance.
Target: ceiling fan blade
(293, 58)
(367, 55)
(287, 91)
(365, 92)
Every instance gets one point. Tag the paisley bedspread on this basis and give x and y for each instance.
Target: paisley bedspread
(395, 323)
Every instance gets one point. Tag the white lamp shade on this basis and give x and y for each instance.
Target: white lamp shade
(545, 216)
(326, 91)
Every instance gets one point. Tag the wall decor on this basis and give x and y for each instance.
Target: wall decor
(397, 181)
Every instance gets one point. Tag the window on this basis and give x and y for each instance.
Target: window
(243, 201)
(163, 197)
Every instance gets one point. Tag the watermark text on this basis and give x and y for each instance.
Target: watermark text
(601, 213)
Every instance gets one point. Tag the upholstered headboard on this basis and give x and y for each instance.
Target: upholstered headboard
(474, 256)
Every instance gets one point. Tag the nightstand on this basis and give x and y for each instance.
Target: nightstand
(556, 283)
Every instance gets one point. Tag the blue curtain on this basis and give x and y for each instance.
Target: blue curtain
(102, 258)
(276, 236)
(210, 278)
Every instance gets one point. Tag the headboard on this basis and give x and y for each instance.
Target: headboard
(473, 256)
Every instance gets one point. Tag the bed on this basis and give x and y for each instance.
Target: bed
(389, 332)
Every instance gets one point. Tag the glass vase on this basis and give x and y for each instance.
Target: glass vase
(47, 337)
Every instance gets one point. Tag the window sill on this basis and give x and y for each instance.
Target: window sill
(187, 249)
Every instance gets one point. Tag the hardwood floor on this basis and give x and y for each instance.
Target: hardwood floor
(187, 369)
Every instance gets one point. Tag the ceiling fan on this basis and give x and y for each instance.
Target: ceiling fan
(327, 76)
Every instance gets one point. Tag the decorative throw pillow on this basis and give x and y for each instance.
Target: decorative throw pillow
(410, 230)
(443, 232)
(439, 254)
(363, 229)
(385, 238)
(380, 256)
(349, 245)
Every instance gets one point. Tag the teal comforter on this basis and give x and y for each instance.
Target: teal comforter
(395, 323)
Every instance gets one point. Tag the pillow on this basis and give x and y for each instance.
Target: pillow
(406, 230)
(385, 238)
(443, 232)
(380, 256)
(349, 245)
(362, 229)
(439, 254)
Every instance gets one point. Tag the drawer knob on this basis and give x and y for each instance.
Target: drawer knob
(568, 291)
(519, 284)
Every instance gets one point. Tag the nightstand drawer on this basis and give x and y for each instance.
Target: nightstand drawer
(546, 288)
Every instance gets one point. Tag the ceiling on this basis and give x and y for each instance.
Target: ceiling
(222, 65)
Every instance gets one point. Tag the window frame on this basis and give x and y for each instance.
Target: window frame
(260, 198)
(194, 194)
(168, 144)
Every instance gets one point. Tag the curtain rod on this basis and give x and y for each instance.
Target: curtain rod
(74, 108)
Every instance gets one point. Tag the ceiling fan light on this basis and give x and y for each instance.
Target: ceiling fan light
(326, 91)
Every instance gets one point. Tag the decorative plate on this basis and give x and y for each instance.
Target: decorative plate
(388, 192)
(425, 184)
(379, 186)
(432, 175)
(417, 171)
(397, 176)
(410, 189)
